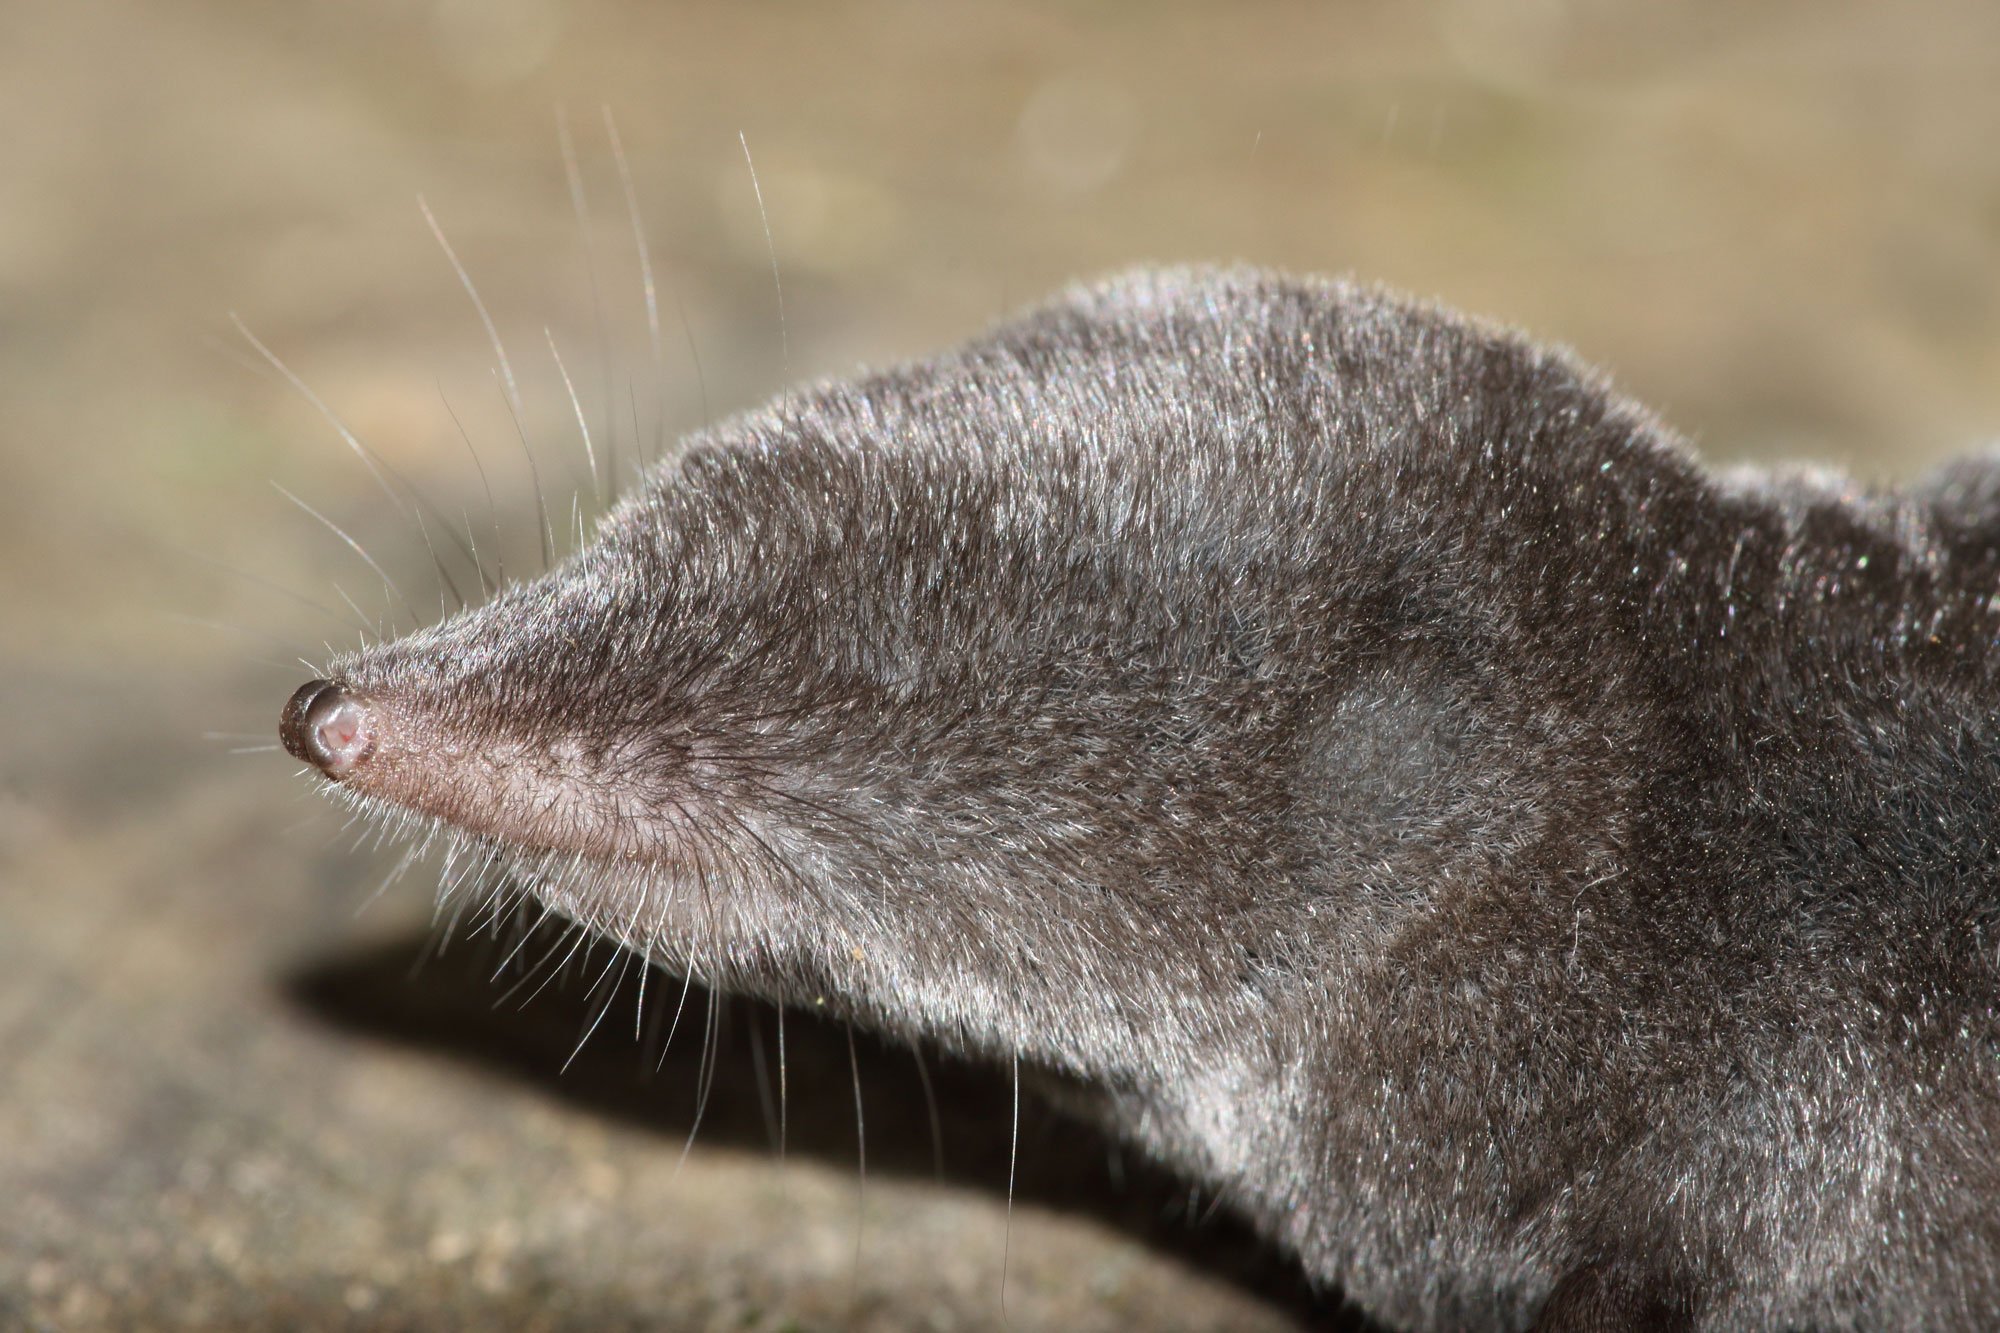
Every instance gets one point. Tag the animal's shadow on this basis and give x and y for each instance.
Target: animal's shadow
(407, 992)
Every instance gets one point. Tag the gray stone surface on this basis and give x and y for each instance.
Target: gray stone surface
(235, 1089)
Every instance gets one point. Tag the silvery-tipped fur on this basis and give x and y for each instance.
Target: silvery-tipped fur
(1541, 883)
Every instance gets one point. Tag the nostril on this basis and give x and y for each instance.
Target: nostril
(326, 727)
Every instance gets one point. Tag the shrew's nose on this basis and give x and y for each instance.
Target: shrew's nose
(327, 727)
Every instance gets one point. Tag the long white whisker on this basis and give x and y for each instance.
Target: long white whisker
(271, 584)
(582, 426)
(478, 304)
(704, 1076)
(783, 1102)
(365, 630)
(580, 206)
(337, 531)
(784, 342)
(180, 618)
(492, 510)
(646, 279)
(603, 1008)
(506, 367)
(377, 465)
(353, 441)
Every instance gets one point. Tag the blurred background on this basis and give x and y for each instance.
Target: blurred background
(236, 1092)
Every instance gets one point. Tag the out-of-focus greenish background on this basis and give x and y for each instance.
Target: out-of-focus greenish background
(220, 1104)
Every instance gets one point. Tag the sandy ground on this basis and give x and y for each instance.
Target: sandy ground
(230, 1095)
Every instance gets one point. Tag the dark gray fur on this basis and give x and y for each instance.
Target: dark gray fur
(1540, 883)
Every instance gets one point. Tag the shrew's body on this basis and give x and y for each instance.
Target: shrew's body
(1539, 882)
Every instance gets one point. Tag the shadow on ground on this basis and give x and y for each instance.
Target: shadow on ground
(663, 1077)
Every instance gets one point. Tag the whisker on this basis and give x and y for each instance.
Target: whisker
(492, 510)
(377, 465)
(528, 933)
(445, 580)
(931, 1108)
(363, 452)
(362, 630)
(263, 582)
(694, 355)
(506, 369)
(783, 1101)
(604, 1007)
(1013, 1160)
(356, 546)
(409, 857)
(762, 1070)
(639, 1009)
(861, 1164)
(687, 984)
(784, 342)
(200, 622)
(580, 939)
(478, 304)
(582, 426)
(544, 530)
(580, 206)
(704, 1076)
(646, 280)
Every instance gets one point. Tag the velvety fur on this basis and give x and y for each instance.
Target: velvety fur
(1531, 877)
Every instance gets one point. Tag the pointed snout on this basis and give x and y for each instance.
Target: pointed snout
(327, 727)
